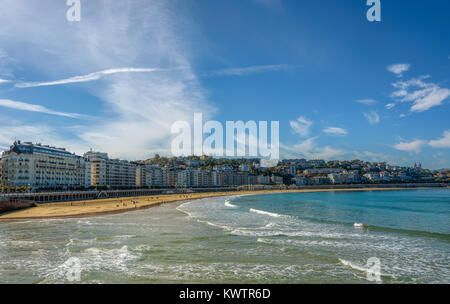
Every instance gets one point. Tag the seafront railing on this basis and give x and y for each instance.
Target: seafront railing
(46, 197)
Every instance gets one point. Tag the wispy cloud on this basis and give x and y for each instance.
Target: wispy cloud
(22, 106)
(372, 117)
(138, 105)
(423, 95)
(311, 150)
(390, 106)
(367, 101)
(86, 78)
(256, 69)
(399, 68)
(413, 146)
(301, 126)
(443, 142)
(4, 81)
(335, 131)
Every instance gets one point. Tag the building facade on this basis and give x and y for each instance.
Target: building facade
(38, 166)
(110, 172)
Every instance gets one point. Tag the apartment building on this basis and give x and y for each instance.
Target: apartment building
(41, 166)
(263, 180)
(110, 172)
(153, 176)
(186, 178)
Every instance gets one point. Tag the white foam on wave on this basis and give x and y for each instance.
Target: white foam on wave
(362, 269)
(230, 205)
(179, 208)
(91, 259)
(272, 214)
(226, 271)
(223, 227)
(265, 241)
(358, 225)
(95, 258)
(354, 266)
(252, 232)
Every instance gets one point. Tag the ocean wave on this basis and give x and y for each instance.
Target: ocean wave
(223, 227)
(184, 211)
(265, 241)
(252, 232)
(358, 225)
(230, 205)
(272, 214)
(373, 228)
(226, 272)
(354, 266)
(362, 268)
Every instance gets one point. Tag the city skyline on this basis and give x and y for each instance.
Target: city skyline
(119, 78)
(27, 166)
(263, 162)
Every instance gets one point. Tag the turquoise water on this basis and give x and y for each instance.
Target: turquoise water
(324, 237)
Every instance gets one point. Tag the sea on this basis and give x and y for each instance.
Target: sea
(367, 237)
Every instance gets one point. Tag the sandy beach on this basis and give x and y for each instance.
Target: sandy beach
(101, 207)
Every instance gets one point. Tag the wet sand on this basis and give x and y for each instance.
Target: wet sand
(101, 207)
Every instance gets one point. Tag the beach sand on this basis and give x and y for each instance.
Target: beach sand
(117, 205)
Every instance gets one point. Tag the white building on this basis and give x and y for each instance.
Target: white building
(372, 176)
(41, 166)
(111, 172)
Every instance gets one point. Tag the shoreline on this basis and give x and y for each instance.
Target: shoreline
(103, 207)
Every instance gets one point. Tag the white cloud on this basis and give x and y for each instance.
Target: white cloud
(251, 70)
(413, 146)
(137, 107)
(399, 68)
(372, 117)
(301, 126)
(443, 142)
(335, 131)
(423, 95)
(390, 106)
(4, 81)
(367, 101)
(310, 150)
(22, 106)
(86, 78)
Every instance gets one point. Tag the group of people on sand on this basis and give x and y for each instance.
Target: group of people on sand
(124, 204)
(133, 201)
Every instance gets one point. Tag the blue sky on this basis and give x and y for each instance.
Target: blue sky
(341, 87)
